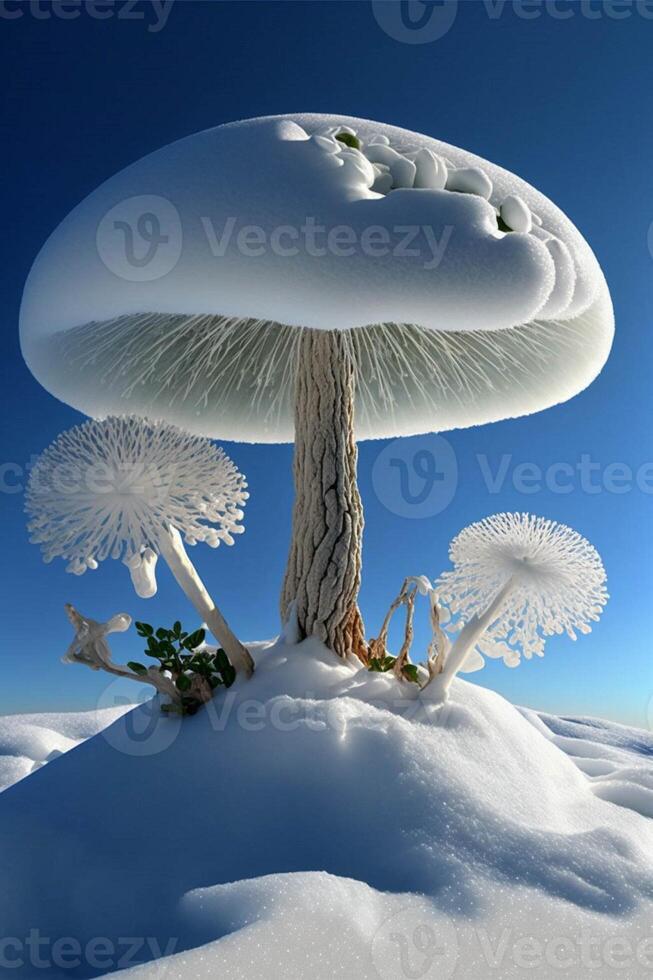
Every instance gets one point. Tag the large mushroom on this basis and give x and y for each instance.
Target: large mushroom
(320, 278)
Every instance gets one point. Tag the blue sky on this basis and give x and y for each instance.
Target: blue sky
(562, 98)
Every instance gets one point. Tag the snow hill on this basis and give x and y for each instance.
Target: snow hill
(27, 742)
(321, 821)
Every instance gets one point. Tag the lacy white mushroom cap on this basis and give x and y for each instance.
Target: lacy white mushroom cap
(179, 288)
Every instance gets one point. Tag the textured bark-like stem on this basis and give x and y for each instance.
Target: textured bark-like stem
(172, 549)
(324, 565)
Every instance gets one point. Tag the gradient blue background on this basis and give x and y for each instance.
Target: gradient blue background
(563, 102)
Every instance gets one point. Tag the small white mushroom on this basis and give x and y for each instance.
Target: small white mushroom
(470, 180)
(129, 516)
(516, 580)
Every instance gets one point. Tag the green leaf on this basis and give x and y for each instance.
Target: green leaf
(349, 140)
(137, 668)
(221, 659)
(228, 676)
(410, 673)
(143, 629)
(194, 640)
(183, 682)
(163, 634)
(152, 645)
(176, 629)
(381, 665)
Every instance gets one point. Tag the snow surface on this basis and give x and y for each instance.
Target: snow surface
(322, 821)
(29, 741)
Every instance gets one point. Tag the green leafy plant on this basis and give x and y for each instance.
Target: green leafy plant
(349, 140)
(195, 673)
(383, 665)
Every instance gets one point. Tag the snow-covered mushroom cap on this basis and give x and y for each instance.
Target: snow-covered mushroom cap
(555, 582)
(111, 489)
(179, 287)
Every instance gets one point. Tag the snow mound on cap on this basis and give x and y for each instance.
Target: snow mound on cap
(266, 219)
(177, 289)
(315, 766)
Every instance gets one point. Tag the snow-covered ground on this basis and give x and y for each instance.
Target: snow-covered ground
(27, 742)
(321, 821)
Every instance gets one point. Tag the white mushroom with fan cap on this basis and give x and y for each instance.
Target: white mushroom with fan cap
(517, 579)
(293, 339)
(127, 488)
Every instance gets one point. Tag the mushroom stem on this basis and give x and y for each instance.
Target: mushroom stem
(324, 565)
(172, 549)
(467, 638)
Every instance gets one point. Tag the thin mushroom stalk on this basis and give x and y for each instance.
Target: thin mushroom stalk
(467, 639)
(172, 550)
